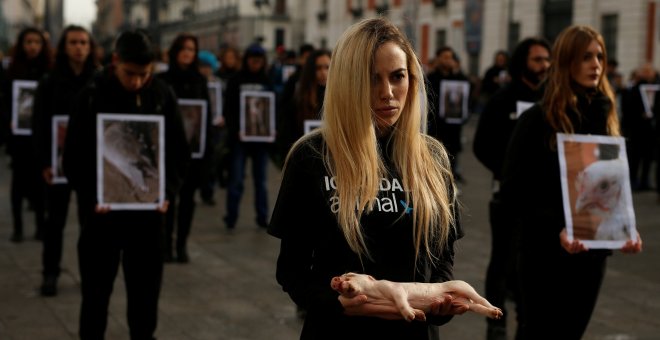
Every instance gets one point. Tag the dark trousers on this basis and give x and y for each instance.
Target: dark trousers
(641, 147)
(240, 153)
(133, 239)
(26, 182)
(500, 279)
(559, 293)
(183, 212)
(57, 208)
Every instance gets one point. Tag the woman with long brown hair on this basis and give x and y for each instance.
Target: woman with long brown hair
(559, 279)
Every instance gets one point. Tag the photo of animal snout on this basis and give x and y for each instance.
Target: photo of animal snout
(600, 192)
(130, 162)
(412, 299)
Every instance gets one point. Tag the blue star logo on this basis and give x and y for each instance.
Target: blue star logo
(408, 208)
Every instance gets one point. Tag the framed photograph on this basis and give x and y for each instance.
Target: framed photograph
(60, 124)
(648, 92)
(311, 124)
(522, 106)
(130, 161)
(193, 112)
(215, 95)
(454, 95)
(21, 112)
(287, 71)
(257, 116)
(597, 199)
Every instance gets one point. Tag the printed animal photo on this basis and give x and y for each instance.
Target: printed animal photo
(596, 190)
(23, 100)
(193, 112)
(215, 96)
(454, 95)
(130, 161)
(60, 124)
(257, 116)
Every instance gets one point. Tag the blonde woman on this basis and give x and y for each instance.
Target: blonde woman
(559, 279)
(367, 193)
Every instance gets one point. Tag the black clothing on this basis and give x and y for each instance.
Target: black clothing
(638, 129)
(531, 187)
(132, 237)
(494, 130)
(448, 134)
(488, 85)
(54, 96)
(312, 253)
(27, 181)
(240, 151)
(187, 84)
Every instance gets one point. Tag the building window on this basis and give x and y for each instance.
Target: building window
(514, 36)
(610, 30)
(440, 38)
(279, 37)
(280, 7)
(557, 15)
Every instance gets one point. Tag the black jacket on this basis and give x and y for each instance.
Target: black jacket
(105, 94)
(192, 85)
(313, 250)
(55, 96)
(448, 134)
(496, 124)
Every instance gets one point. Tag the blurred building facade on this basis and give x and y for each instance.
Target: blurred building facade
(16, 15)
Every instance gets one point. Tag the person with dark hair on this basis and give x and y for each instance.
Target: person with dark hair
(74, 67)
(446, 131)
(528, 69)
(133, 238)
(551, 267)
(496, 76)
(188, 83)
(30, 61)
(251, 77)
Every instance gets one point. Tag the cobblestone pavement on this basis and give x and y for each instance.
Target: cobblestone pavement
(228, 291)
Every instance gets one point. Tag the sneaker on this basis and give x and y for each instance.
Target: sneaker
(49, 286)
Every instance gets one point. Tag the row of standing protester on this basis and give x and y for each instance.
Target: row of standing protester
(532, 257)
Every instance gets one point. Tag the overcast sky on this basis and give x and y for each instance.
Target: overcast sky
(79, 12)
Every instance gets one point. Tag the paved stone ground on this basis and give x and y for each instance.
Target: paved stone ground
(228, 291)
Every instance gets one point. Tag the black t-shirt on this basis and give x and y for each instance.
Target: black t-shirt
(313, 249)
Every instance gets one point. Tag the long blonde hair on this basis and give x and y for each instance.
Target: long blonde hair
(352, 155)
(560, 94)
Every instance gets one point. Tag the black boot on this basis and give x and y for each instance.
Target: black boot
(49, 286)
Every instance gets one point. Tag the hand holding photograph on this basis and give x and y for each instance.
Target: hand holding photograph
(130, 161)
(596, 190)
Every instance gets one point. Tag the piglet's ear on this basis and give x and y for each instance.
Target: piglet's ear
(371, 278)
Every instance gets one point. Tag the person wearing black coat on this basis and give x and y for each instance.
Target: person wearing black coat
(565, 274)
(449, 133)
(133, 238)
(30, 61)
(529, 65)
(251, 77)
(188, 83)
(74, 67)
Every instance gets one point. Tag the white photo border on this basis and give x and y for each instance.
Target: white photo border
(271, 116)
(444, 87)
(57, 120)
(17, 86)
(648, 110)
(311, 124)
(215, 88)
(627, 194)
(202, 135)
(160, 120)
